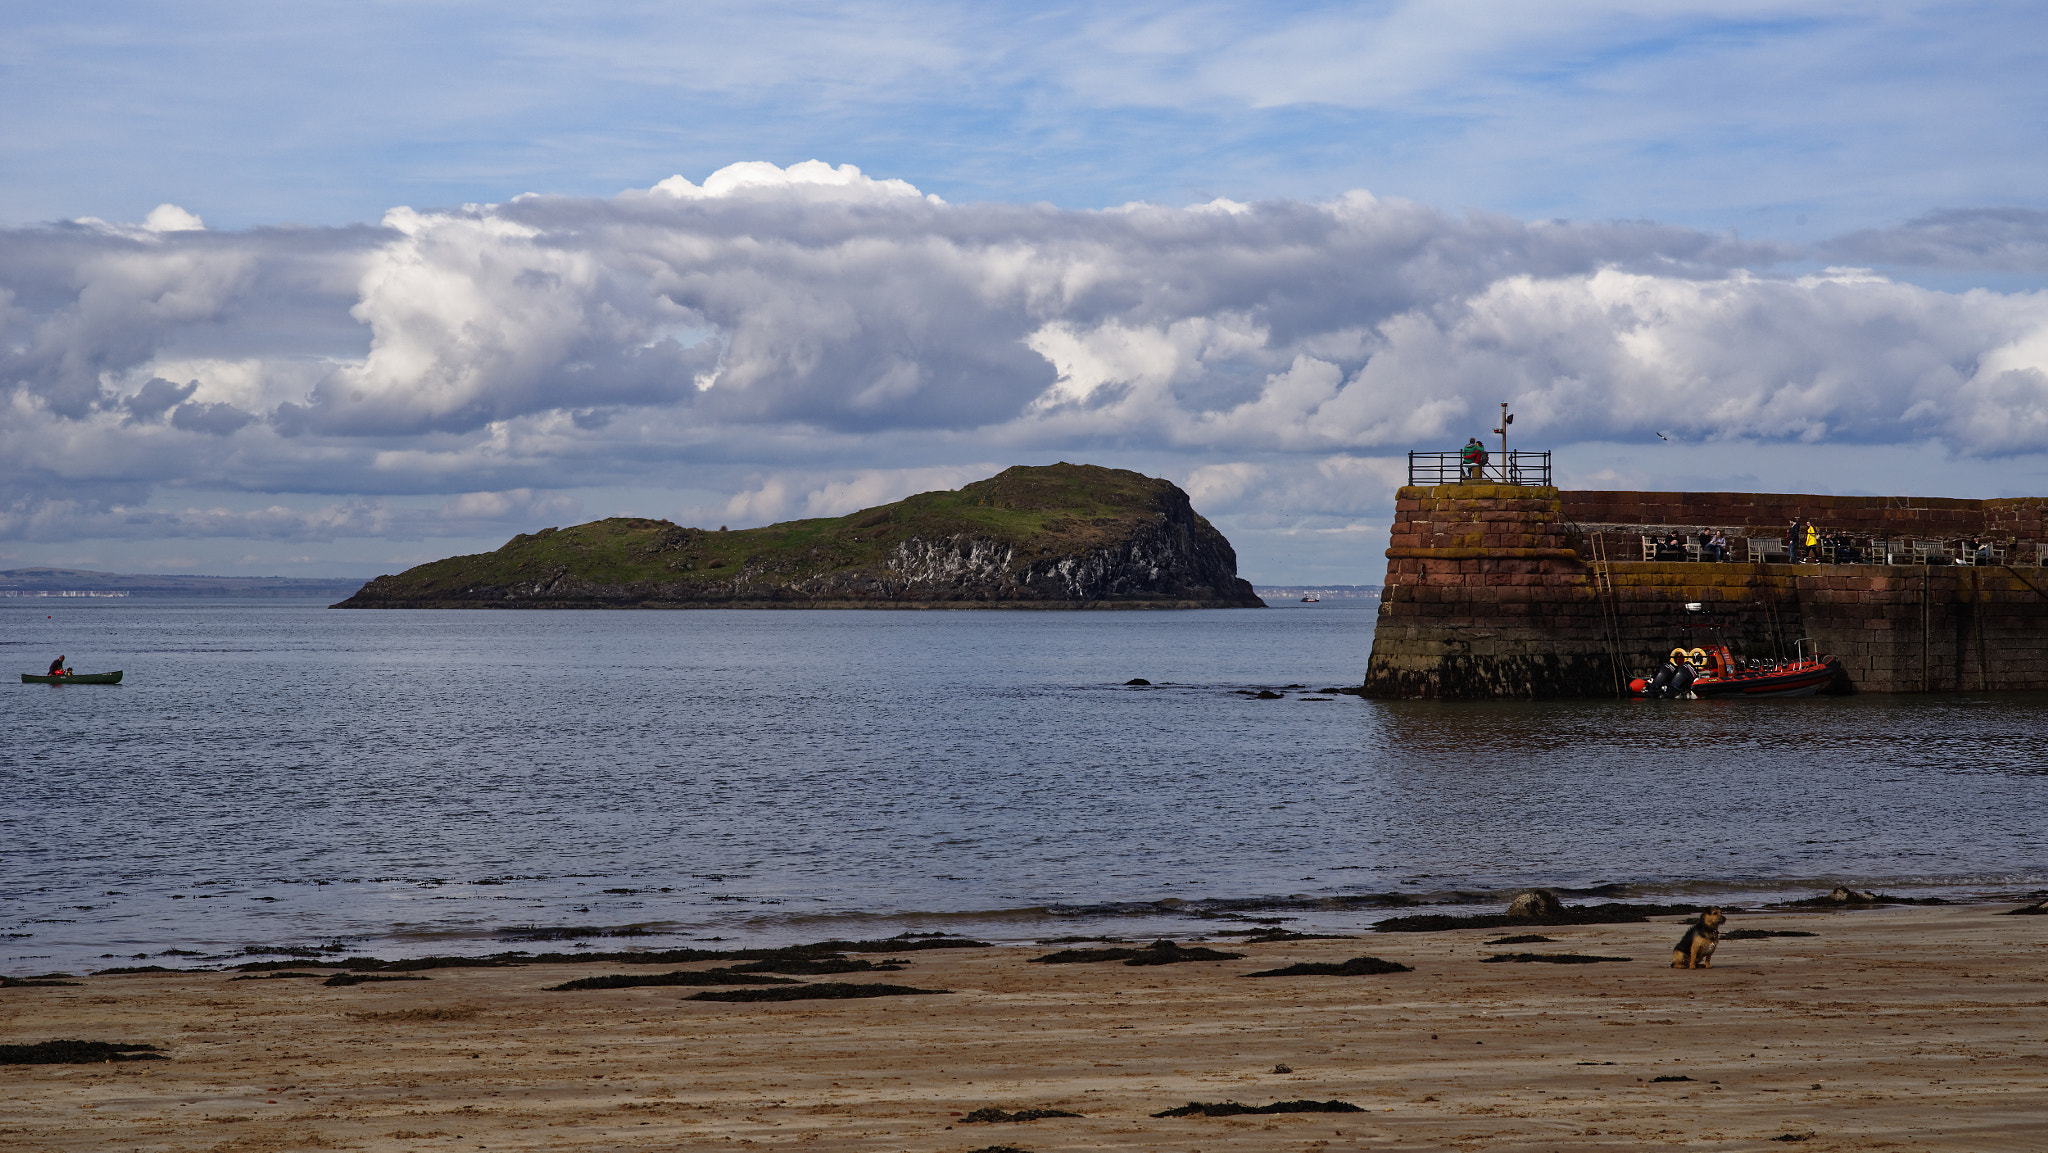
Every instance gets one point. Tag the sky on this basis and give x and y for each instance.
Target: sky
(335, 289)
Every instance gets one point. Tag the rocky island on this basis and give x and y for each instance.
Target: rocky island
(1057, 536)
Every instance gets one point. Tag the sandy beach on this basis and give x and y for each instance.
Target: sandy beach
(1893, 1028)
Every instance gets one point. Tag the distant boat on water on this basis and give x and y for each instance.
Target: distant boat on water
(1310, 599)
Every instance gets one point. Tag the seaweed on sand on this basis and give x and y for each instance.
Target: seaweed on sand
(1611, 913)
(1552, 958)
(32, 982)
(819, 966)
(275, 975)
(1261, 936)
(831, 990)
(340, 980)
(1233, 1109)
(993, 1114)
(1526, 939)
(1355, 967)
(1160, 952)
(77, 1053)
(908, 942)
(1760, 934)
(1846, 897)
(637, 980)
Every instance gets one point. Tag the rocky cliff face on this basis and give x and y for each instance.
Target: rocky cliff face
(1061, 536)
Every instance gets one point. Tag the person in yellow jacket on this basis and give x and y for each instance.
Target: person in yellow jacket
(1812, 534)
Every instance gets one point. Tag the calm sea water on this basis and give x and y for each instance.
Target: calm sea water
(278, 774)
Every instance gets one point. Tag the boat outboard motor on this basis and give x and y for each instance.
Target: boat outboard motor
(1681, 683)
(1662, 680)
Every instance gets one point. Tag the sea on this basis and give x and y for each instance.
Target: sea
(274, 778)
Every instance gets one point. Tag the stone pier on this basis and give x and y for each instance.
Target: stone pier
(1491, 593)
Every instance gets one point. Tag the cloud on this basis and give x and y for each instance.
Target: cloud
(807, 340)
(51, 519)
(1977, 239)
(811, 179)
(801, 496)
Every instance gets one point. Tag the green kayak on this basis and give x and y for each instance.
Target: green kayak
(113, 678)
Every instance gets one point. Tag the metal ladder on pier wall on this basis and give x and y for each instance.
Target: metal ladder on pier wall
(1610, 609)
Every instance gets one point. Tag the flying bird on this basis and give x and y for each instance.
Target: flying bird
(1661, 436)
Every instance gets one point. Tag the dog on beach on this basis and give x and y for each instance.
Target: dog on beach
(1695, 950)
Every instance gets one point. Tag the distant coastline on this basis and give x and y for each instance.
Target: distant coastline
(1326, 592)
(88, 584)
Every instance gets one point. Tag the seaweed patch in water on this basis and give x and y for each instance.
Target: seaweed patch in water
(77, 1053)
(1612, 913)
(1233, 1109)
(32, 982)
(1527, 939)
(831, 990)
(1760, 934)
(637, 980)
(344, 979)
(1160, 952)
(993, 1114)
(1551, 958)
(568, 932)
(1355, 967)
(131, 970)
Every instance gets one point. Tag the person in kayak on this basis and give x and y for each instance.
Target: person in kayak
(57, 668)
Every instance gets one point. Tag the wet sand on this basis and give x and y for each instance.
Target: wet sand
(1894, 1028)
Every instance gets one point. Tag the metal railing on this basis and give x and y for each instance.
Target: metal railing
(1835, 548)
(1430, 468)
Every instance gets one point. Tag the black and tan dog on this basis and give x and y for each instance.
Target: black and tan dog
(1695, 950)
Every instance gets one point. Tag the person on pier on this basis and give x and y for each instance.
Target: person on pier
(1474, 458)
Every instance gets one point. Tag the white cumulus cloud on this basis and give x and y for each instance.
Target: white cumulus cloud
(807, 340)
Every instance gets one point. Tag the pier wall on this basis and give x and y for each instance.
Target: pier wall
(1490, 594)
